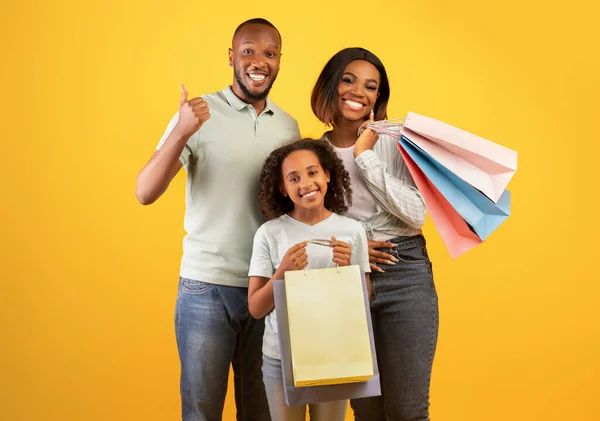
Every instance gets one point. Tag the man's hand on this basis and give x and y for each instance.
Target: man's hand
(192, 114)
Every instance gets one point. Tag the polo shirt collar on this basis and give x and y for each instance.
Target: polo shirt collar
(238, 105)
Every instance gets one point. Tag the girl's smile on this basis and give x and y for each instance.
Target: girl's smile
(304, 182)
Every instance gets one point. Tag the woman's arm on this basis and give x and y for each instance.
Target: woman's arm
(392, 192)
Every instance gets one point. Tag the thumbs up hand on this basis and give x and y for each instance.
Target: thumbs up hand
(192, 113)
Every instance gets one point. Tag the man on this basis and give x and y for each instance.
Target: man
(222, 140)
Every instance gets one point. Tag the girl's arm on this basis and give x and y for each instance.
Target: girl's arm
(261, 300)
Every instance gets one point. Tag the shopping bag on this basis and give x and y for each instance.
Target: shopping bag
(327, 318)
(485, 165)
(456, 234)
(299, 395)
(482, 214)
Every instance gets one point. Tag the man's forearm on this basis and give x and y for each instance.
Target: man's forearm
(154, 179)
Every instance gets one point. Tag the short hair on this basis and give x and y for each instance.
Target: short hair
(324, 97)
(256, 21)
(273, 203)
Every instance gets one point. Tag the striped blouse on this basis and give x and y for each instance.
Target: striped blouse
(400, 206)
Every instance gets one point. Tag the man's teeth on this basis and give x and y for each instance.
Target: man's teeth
(355, 105)
(257, 77)
(311, 194)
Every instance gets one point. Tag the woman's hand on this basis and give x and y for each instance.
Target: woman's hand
(341, 252)
(367, 139)
(376, 256)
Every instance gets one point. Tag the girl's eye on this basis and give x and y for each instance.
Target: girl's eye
(293, 179)
(347, 80)
(372, 88)
(314, 172)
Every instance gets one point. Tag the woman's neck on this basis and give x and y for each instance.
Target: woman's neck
(344, 134)
(310, 216)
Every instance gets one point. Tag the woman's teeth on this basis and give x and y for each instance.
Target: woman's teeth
(354, 105)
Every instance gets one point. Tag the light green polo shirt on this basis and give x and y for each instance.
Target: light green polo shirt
(223, 160)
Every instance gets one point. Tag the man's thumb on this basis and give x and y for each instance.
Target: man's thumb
(184, 95)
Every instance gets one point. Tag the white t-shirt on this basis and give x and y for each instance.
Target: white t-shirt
(274, 238)
(363, 202)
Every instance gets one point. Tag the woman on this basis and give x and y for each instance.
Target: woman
(352, 90)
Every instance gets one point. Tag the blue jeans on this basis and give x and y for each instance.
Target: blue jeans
(404, 310)
(280, 411)
(213, 329)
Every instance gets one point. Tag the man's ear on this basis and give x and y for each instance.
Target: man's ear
(231, 57)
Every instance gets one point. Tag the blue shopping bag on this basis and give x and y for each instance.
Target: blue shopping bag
(482, 214)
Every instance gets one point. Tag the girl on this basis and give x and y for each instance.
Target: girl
(352, 90)
(303, 187)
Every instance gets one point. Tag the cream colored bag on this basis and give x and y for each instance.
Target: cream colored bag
(328, 330)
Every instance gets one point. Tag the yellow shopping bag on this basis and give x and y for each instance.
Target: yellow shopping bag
(329, 335)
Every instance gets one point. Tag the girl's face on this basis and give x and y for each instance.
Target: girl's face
(358, 90)
(304, 180)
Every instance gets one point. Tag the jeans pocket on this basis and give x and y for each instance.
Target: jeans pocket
(412, 255)
(191, 286)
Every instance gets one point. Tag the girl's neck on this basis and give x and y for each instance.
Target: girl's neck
(344, 134)
(310, 216)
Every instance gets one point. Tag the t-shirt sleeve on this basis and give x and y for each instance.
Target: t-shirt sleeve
(261, 263)
(296, 131)
(360, 250)
(189, 147)
(290, 132)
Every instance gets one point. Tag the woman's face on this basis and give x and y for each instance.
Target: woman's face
(358, 90)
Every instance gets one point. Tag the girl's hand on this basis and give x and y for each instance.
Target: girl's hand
(376, 256)
(341, 252)
(367, 139)
(295, 258)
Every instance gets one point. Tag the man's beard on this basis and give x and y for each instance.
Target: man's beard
(249, 95)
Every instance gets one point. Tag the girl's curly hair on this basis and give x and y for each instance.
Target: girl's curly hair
(273, 204)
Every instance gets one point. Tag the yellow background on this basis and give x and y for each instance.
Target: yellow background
(89, 276)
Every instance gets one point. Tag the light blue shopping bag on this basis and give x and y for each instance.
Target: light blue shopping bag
(483, 215)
